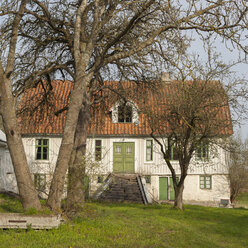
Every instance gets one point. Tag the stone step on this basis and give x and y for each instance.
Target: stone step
(124, 187)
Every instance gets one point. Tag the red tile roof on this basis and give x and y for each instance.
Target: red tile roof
(37, 112)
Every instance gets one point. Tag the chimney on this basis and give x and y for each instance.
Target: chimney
(165, 77)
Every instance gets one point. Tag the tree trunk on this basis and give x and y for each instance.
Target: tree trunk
(58, 181)
(27, 191)
(179, 196)
(76, 191)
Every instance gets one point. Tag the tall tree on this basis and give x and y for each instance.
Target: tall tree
(90, 40)
(28, 194)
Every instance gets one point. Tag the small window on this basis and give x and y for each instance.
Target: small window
(129, 149)
(202, 151)
(100, 179)
(125, 113)
(118, 149)
(148, 179)
(205, 182)
(42, 149)
(149, 150)
(98, 150)
(40, 182)
(174, 152)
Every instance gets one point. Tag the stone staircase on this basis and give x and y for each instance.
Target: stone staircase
(122, 188)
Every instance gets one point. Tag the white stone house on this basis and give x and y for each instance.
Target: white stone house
(119, 141)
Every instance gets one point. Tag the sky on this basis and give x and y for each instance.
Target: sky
(241, 71)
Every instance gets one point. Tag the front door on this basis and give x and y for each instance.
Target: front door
(123, 157)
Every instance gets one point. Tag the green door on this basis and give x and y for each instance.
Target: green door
(166, 188)
(123, 157)
(163, 188)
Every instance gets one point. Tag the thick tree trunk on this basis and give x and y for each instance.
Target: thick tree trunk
(27, 191)
(178, 203)
(76, 191)
(58, 182)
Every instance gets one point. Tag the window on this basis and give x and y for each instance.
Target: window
(173, 152)
(202, 151)
(205, 182)
(148, 179)
(100, 179)
(125, 113)
(42, 149)
(118, 149)
(98, 150)
(149, 150)
(129, 149)
(40, 182)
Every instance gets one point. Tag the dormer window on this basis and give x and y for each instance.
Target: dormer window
(125, 113)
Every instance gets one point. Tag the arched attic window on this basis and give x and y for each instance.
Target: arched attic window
(125, 112)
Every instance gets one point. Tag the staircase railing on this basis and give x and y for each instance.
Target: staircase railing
(144, 191)
(103, 187)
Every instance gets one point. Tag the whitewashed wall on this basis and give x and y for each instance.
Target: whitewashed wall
(7, 175)
(42, 166)
(215, 165)
(193, 193)
(156, 168)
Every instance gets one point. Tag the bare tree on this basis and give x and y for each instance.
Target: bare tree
(189, 117)
(92, 40)
(9, 32)
(238, 167)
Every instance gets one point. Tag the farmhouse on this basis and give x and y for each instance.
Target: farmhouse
(119, 144)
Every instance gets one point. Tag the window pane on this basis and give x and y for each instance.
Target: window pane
(98, 154)
(121, 113)
(38, 153)
(98, 142)
(40, 181)
(118, 149)
(149, 143)
(45, 142)
(149, 150)
(98, 150)
(148, 179)
(129, 149)
(100, 179)
(149, 154)
(45, 153)
(128, 113)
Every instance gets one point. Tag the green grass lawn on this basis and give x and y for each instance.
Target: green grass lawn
(242, 200)
(134, 225)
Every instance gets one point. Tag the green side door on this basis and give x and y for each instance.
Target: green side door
(123, 157)
(163, 188)
(166, 188)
